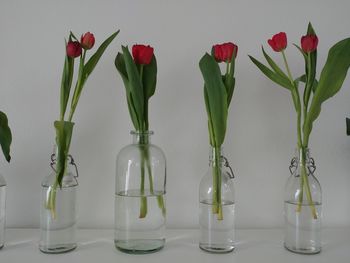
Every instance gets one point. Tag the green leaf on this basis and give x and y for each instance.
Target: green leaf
(330, 82)
(348, 126)
(216, 98)
(272, 75)
(135, 85)
(92, 62)
(120, 65)
(210, 124)
(310, 69)
(303, 79)
(66, 84)
(5, 136)
(230, 81)
(274, 66)
(149, 78)
(301, 51)
(310, 29)
(64, 130)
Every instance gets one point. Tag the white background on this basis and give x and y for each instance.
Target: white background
(261, 134)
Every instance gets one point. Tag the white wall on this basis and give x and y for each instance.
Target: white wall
(261, 131)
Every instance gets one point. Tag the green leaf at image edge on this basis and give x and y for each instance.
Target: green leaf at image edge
(330, 82)
(348, 126)
(64, 130)
(5, 136)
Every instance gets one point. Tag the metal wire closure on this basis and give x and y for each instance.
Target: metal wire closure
(71, 161)
(294, 164)
(312, 167)
(74, 164)
(227, 164)
(53, 161)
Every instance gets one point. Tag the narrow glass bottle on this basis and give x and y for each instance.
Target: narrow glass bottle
(303, 208)
(217, 232)
(58, 228)
(140, 196)
(2, 210)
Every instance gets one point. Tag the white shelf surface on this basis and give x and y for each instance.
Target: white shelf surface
(253, 245)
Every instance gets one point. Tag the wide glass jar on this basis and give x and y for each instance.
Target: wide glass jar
(303, 206)
(217, 206)
(58, 226)
(2, 210)
(140, 196)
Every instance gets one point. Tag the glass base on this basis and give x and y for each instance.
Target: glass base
(217, 249)
(139, 246)
(58, 249)
(304, 251)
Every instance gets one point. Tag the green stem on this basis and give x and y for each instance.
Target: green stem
(217, 202)
(143, 207)
(309, 196)
(218, 168)
(51, 199)
(78, 86)
(304, 185)
(287, 67)
(215, 186)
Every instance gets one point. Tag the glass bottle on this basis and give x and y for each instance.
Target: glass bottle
(58, 229)
(140, 211)
(2, 210)
(303, 206)
(217, 206)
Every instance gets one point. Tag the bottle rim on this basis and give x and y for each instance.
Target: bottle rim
(134, 132)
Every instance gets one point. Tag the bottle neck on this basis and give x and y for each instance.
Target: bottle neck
(215, 156)
(143, 137)
(303, 156)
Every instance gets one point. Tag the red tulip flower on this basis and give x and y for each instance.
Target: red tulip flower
(73, 49)
(87, 40)
(278, 42)
(142, 54)
(309, 43)
(223, 52)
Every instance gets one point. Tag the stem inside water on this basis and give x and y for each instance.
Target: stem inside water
(145, 161)
(51, 199)
(304, 184)
(216, 164)
(143, 207)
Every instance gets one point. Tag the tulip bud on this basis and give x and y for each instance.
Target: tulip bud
(142, 54)
(223, 52)
(87, 40)
(278, 42)
(73, 49)
(309, 43)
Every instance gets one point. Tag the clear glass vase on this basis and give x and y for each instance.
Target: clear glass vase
(217, 206)
(303, 206)
(2, 210)
(58, 226)
(140, 196)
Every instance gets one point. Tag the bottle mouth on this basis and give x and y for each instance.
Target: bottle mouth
(145, 133)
